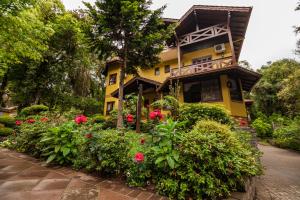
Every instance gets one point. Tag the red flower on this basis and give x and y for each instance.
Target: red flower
(19, 122)
(129, 118)
(156, 114)
(139, 157)
(80, 119)
(243, 122)
(89, 135)
(30, 121)
(44, 119)
(143, 141)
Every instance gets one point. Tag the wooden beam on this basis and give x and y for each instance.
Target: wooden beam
(230, 39)
(203, 34)
(139, 109)
(178, 53)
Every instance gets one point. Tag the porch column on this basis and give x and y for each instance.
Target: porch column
(230, 38)
(139, 109)
(178, 54)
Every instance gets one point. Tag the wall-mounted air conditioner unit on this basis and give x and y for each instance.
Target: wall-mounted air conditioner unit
(220, 48)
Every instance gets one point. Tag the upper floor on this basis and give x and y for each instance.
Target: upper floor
(206, 38)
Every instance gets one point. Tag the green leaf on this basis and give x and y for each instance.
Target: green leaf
(159, 160)
(51, 158)
(175, 155)
(65, 151)
(171, 162)
(57, 148)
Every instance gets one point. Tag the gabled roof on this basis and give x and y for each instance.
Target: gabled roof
(206, 15)
(248, 77)
(132, 86)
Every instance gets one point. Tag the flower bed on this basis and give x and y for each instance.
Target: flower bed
(208, 161)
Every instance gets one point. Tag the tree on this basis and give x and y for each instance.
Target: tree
(68, 72)
(290, 93)
(266, 91)
(297, 30)
(128, 29)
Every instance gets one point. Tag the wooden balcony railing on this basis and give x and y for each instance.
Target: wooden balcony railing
(202, 67)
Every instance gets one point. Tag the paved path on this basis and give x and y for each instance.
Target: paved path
(25, 178)
(281, 179)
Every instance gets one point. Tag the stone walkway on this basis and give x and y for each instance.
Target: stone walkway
(23, 177)
(281, 179)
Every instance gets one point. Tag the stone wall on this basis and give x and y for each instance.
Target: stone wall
(249, 191)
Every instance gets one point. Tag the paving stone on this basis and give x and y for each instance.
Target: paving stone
(134, 193)
(7, 175)
(33, 195)
(155, 197)
(111, 195)
(52, 184)
(30, 174)
(144, 195)
(15, 168)
(54, 175)
(81, 194)
(18, 185)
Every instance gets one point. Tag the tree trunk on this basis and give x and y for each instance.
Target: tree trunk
(121, 91)
(139, 109)
(2, 88)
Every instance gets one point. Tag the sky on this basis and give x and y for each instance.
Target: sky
(270, 35)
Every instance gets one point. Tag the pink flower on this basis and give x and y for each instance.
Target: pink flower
(129, 118)
(156, 114)
(89, 135)
(30, 121)
(139, 157)
(143, 141)
(80, 119)
(19, 122)
(44, 119)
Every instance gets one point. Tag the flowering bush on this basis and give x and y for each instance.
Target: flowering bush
(30, 121)
(129, 118)
(44, 119)
(139, 157)
(155, 115)
(80, 119)
(19, 122)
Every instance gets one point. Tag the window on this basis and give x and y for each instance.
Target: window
(156, 71)
(167, 69)
(202, 91)
(201, 60)
(112, 79)
(109, 107)
(235, 89)
(210, 90)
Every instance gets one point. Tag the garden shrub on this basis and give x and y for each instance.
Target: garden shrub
(262, 128)
(193, 112)
(98, 118)
(28, 135)
(33, 110)
(7, 121)
(288, 136)
(108, 150)
(212, 163)
(5, 131)
(60, 144)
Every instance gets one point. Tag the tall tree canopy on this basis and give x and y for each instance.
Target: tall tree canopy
(128, 29)
(47, 57)
(297, 30)
(273, 85)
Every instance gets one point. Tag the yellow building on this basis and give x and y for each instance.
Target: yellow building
(202, 58)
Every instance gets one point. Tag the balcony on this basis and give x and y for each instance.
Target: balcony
(202, 67)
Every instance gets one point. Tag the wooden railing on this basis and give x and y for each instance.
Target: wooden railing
(202, 67)
(203, 34)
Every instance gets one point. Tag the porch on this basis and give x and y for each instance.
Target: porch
(202, 67)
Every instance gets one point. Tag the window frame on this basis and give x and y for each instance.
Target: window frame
(200, 83)
(169, 69)
(110, 77)
(157, 69)
(229, 85)
(112, 107)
